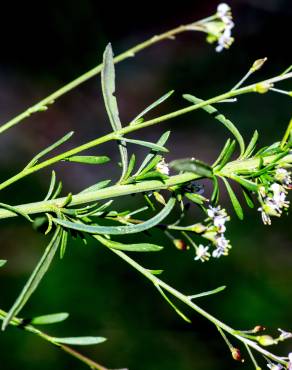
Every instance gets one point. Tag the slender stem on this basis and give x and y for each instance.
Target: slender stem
(132, 128)
(140, 187)
(288, 132)
(31, 329)
(183, 298)
(43, 104)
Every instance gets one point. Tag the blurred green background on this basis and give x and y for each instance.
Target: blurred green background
(45, 46)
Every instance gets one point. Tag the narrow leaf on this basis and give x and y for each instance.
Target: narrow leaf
(49, 319)
(177, 310)
(88, 159)
(245, 183)
(120, 230)
(139, 247)
(227, 155)
(248, 198)
(216, 192)
(209, 292)
(52, 185)
(35, 278)
(16, 210)
(235, 202)
(196, 198)
(147, 144)
(80, 341)
(251, 146)
(108, 91)
(192, 165)
(151, 106)
(130, 167)
(49, 149)
(219, 117)
(2, 262)
(163, 139)
(222, 153)
(95, 187)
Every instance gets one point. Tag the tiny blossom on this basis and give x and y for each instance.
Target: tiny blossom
(284, 334)
(283, 176)
(290, 361)
(162, 167)
(275, 366)
(225, 39)
(202, 253)
(222, 247)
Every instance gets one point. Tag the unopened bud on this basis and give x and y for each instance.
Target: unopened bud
(180, 244)
(159, 198)
(236, 355)
(265, 340)
(262, 87)
(258, 328)
(258, 64)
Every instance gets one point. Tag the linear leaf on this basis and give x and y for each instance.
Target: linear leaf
(110, 101)
(248, 198)
(251, 146)
(2, 262)
(49, 149)
(49, 319)
(120, 230)
(219, 117)
(88, 159)
(16, 211)
(138, 247)
(151, 106)
(235, 202)
(222, 153)
(208, 292)
(98, 186)
(163, 139)
(35, 278)
(177, 310)
(245, 183)
(80, 341)
(131, 166)
(147, 144)
(192, 165)
(52, 185)
(216, 192)
(227, 155)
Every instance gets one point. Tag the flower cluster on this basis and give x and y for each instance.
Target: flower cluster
(162, 167)
(273, 201)
(225, 40)
(217, 218)
(273, 366)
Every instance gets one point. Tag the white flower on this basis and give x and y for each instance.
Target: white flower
(162, 167)
(290, 361)
(222, 247)
(265, 217)
(219, 217)
(279, 196)
(275, 366)
(202, 253)
(283, 176)
(284, 334)
(225, 39)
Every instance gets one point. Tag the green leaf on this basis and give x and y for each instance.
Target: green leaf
(63, 244)
(192, 165)
(151, 106)
(130, 167)
(177, 310)
(49, 149)
(147, 144)
(110, 101)
(2, 262)
(16, 210)
(196, 198)
(151, 156)
(139, 247)
(216, 192)
(95, 187)
(88, 159)
(235, 202)
(219, 117)
(251, 146)
(80, 341)
(227, 155)
(209, 292)
(151, 175)
(248, 198)
(155, 272)
(222, 153)
(49, 319)
(120, 230)
(245, 183)
(52, 185)
(35, 278)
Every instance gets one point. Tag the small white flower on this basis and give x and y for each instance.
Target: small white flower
(225, 39)
(275, 366)
(202, 253)
(222, 247)
(284, 334)
(290, 361)
(162, 167)
(265, 217)
(283, 176)
(223, 9)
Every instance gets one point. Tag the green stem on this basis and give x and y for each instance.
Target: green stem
(140, 187)
(132, 128)
(183, 298)
(31, 329)
(287, 134)
(43, 104)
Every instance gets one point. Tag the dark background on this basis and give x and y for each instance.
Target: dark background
(44, 47)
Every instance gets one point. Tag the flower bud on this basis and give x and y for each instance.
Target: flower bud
(265, 340)
(180, 244)
(258, 64)
(258, 328)
(236, 355)
(262, 87)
